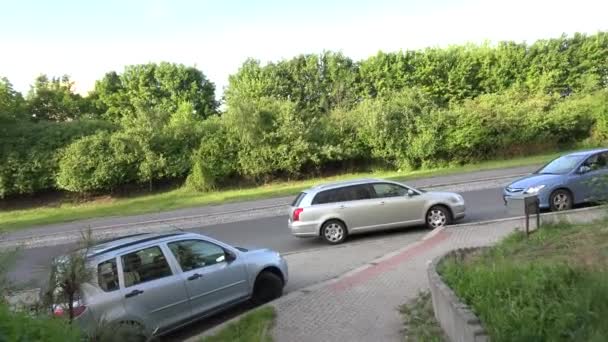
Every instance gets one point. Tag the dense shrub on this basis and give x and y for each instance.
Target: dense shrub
(273, 138)
(15, 326)
(29, 152)
(98, 162)
(216, 158)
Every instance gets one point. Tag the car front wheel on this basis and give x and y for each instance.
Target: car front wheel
(438, 216)
(560, 200)
(268, 286)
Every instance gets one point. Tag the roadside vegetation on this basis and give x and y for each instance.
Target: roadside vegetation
(186, 197)
(253, 327)
(552, 286)
(155, 126)
(420, 324)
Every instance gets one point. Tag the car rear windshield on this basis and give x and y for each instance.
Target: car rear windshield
(298, 199)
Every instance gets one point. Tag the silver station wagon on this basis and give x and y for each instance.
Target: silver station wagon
(333, 211)
(159, 282)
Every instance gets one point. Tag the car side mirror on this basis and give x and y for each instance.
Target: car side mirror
(230, 256)
(584, 169)
(411, 193)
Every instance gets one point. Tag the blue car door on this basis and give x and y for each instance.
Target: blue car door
(591, 180)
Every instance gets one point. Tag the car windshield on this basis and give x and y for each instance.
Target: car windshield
(561, 165)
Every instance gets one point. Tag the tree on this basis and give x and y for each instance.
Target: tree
(12, 105)
(154, 87)
(54, 99)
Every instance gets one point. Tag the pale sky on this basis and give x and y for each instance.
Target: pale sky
(86, 39)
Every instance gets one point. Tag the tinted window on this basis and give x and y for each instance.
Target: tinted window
(144, 265)
(389, 190)
(107, 275)
(193, 254)
(298, 199)
(348, 193)
(353, 193)
(328, 196)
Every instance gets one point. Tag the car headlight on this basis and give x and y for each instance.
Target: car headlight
(533, 190)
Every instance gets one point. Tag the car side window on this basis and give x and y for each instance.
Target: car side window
(107, 275)
(193, 254)
(384, 190)
(354, 193)
(592, 162)
(144, 265)
(602, 160)
(329, 196)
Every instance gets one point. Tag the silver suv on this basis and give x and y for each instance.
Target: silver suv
(336, 210)
(159, 282)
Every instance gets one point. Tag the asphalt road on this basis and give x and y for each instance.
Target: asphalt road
(31, 267)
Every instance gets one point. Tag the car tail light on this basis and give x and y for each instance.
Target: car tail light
(61, 311)
(296, 214)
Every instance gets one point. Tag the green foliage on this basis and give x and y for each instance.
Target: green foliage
(314, 83)
(55, 100)
(154, 87)
(420, 323)
(551, 286)
(273, 139)
(253, 327)
(216, 158)
(98, 162)
(18, 326)
(12, 104)
(311, 114)
(29, 158)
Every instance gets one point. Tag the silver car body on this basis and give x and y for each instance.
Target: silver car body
(369, 214)
(180, 296)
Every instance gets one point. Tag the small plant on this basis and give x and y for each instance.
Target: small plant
(67, 275)
(419, 320)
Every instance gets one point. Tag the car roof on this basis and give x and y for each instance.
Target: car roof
(340, 184)
(588, 152)
(114, 245)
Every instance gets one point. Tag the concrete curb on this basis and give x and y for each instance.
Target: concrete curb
(456, 318)
(108, 231)
(584, 215)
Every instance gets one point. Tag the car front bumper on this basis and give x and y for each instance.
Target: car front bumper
(459, 211)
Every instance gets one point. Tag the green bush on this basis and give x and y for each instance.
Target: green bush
(29, 152)
(16, 326)
(215, 159)
(98, 162)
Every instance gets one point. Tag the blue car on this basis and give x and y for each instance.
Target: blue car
(572, 179)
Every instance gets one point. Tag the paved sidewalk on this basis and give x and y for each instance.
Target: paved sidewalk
(363, 304)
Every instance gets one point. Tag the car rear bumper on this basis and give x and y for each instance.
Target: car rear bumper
(303, 229)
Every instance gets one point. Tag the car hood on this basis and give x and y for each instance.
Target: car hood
(534, 180)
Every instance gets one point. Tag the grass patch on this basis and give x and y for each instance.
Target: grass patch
(419, 320)
(185, 198)
(253, 327)
(552, 286)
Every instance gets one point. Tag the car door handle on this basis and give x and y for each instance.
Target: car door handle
(381, 202)
(133, 293)
(195, 276)
(341, 207)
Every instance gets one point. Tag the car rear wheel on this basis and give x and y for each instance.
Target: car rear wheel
(438, 216)
(268, 286)
(560, 200)
(333, 232)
